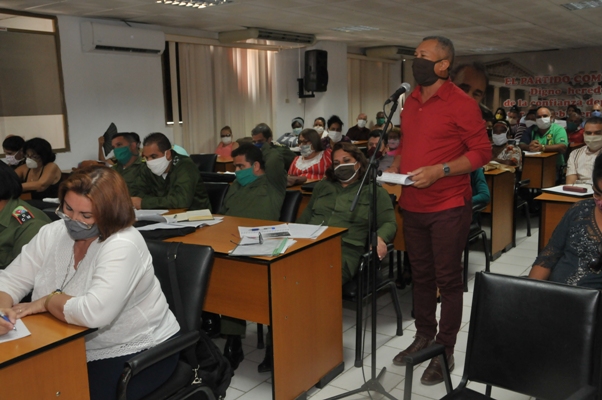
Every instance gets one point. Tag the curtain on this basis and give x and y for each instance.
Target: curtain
(368, 87)
(222, 86)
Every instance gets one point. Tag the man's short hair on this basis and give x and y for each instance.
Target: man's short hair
(159, 139)
(252, 154)
(10, 184)
(127, 136)
(13, 143)
(376, 134)
(593, 120)
(264, 129)
(446, 45)
(476, 65)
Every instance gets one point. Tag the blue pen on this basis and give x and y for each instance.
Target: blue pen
(4, 317)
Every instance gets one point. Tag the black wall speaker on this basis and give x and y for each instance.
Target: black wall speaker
(316, 70)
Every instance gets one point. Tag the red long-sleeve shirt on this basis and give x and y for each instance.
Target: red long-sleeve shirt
(445, 127)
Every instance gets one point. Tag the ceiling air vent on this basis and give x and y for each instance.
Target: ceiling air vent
(266, 34)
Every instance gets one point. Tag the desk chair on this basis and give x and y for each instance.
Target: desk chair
(288, 213)
(537, 338)
(359, 291)
(217, 177)
(204, 162)
(193, 269)
(216, 191)
(474, 233)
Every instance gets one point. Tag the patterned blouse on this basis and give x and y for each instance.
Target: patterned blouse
(572, 247)
(512, 153)
(314, 168)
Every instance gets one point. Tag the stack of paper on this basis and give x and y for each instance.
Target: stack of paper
(396, 179)
(196, 215)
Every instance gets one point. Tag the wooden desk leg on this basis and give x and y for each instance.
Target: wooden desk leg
(60, 373)
(306, 313)
(502, 212)
(551, 214)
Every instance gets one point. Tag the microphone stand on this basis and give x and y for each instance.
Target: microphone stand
(373, 384)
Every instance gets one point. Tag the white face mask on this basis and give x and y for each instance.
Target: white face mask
(297, 131)
(335, 136)
(319, 129)
(158, 165)
(227, 139)
(361, 123)
(543, 123)
(499, 140)
(593, 142)
(31, 164)
(11, 159)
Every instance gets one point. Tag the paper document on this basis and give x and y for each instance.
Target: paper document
(19, 333)
(51, 200)
(196, 215)
(532, 153)
(560, 190)
(397, 179)
(269, 248)
(173, 224)
(305, 231)
(267, 232)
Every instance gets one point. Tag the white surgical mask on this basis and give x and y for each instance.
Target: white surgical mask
(11, 159)
(361, 123)
(319, 129)
(297, 131)
(31, 164)
(305, 150)
(512, 121)
(227, 139)
(158, 165)
(543, 123)
(593, 142)
(499, 140)
(529, 123)
(335, 136)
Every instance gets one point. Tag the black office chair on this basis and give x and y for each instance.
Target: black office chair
(193, 270)
(474, 233)
(204, 162)
(359, 291)
(217, 177)
(216, 191)
(288, 213)
(538, 338)
(521, 192)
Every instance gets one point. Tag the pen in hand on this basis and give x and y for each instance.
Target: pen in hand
(4, 317)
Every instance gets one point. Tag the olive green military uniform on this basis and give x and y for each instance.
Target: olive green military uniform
(132, 173)
(274, 165)
(19, 223)
(287, 154)
(181, 188)
(329, 205)
(260, 200)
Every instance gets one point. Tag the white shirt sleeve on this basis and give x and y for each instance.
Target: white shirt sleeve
(119, 267)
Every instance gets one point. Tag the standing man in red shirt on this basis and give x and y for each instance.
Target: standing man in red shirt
(444, 140)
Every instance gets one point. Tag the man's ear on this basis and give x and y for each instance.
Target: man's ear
(442, 66)
(168, 154)
(256, 168)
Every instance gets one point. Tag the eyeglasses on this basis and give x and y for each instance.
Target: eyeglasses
(65, 217)
(304, 141)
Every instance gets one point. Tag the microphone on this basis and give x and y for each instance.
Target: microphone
(403, 88)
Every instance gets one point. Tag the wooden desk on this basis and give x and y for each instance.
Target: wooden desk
(50, 363)
(298, 294)
(501, 207)
(553, 208)
(540, 169)
(360, 143)
(224, 164)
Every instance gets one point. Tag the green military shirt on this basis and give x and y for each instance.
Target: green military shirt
(181, 188)
(555, 135)
(259, 199)
(274, 166)
(329, 205)
(132, 173)
(287, 154)
(19, 223)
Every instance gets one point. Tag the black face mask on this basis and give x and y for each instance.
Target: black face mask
(379, 154)
(424, 71)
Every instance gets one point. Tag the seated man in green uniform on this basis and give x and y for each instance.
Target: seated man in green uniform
(262, 138)
(171, 180)
(129, 162)
(19, 222)
(252, 195)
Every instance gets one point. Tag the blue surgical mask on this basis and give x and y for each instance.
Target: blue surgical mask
(245, 176)
(596, 113)
(297, 131)
(259, 145)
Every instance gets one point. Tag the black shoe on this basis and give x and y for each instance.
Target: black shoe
(233, 350)
(211, 324)
(266, 364)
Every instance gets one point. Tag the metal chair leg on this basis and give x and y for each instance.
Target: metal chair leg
(260, 344)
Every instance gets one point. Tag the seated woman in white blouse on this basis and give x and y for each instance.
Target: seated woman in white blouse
(93, 269)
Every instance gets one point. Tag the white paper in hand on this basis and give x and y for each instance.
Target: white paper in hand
(396, 179)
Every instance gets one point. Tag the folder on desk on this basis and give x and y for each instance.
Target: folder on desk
(268, 248)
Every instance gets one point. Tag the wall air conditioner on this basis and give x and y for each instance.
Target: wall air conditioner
(266, 34)
(112, 38)
(390, 52)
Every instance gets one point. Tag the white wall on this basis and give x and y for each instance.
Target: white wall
(287, 104)
(102, 88)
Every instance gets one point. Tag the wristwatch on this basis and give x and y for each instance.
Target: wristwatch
(446, 169)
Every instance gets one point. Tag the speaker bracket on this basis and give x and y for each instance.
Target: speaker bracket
(301, 92)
